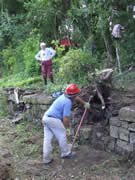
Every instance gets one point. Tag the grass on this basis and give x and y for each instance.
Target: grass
(31, 83)
(125, 81)
(18, 81)
(109, 167)
(36, 82)
(122, 82)
(3, 106)
(26, 140)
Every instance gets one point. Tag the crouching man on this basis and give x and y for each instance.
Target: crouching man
(56, 122)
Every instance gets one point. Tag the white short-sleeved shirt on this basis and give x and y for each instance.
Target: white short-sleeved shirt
(46, 54)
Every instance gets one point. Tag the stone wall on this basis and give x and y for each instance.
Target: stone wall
(122, 129)
(117, 136)
(31, 104)
(36, 105)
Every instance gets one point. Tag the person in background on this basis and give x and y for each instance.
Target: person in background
(45, 55)
(56, 122)
(116, 31)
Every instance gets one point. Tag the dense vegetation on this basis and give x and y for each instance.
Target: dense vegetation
(25, 23)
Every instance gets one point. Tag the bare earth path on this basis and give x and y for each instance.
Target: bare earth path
(90, 164)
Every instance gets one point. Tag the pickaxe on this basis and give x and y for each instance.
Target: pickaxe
(77, 132)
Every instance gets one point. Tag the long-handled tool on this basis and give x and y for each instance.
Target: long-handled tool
(77, 132)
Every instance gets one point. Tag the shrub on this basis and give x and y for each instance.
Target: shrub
(30, 49)
(13, 60)
(22, 58)
(75, 65)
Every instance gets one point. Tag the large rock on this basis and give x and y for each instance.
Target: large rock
(123, 145)
(124, 134)
(36, 105)
(132, 138)
(127, 114)
(114, 131)
(131, 127)
(40, 99)
(114, 121)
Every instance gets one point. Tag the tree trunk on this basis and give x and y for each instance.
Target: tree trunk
(109, 49)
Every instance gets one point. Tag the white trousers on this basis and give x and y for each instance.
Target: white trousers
(54, 127)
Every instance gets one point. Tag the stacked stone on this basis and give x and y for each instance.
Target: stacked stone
(36, 105)
(122, 130)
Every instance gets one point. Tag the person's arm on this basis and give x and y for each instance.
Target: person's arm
(53, 52)
(80, 100)
(66, 124)
(66, 113)
(66, 121)
(38, 56)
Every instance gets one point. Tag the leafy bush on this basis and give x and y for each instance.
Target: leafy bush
(22, 58)
(3, 106)
(75, 65)
(20, 80)
(126, 50)
(60, 49)
(30, 49)
(13, 60)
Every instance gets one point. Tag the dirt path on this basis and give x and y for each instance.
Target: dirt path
(17, 163)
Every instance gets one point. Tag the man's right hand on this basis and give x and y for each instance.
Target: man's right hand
(66, 121)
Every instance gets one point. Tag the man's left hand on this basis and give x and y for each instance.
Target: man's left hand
(87, 105)
(67, 132)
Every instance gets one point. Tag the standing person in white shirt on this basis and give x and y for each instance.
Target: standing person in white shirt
(45, 55)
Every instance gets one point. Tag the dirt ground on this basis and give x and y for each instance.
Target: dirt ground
(89, 163)
(21, 155)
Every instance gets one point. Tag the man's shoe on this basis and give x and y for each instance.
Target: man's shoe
(49, 162)
(52, 80)
(70, 155)
(45, 81)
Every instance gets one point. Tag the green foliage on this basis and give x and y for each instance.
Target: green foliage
(13, 60)
(126, 50)
(11, 36)
(22, 145)
(3, 106)
(22, 58)
(75, 64)
(30, 49)
(43, 16)
(59, 49)
(59, 86)
(13, 29)
(13, 6)
(87, 22)
(124, 81)
(19, 80)
(78, 24)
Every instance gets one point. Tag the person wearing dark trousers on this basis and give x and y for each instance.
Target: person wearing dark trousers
(45, 55)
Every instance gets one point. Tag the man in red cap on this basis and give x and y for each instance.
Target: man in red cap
(56, 122)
